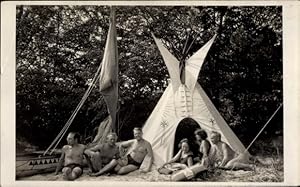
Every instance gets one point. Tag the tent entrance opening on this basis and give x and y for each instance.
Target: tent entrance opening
(186, 129)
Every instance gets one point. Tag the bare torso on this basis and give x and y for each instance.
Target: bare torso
(108, 152)
(220, 149)
(138, 150)
(73, 154)
(184, 157)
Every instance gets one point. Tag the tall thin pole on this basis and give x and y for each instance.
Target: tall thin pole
(263, 128)
(246, 150)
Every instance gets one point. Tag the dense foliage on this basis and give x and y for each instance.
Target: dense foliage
(59, 48)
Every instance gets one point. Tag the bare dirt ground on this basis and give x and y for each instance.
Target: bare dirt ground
(270, 171)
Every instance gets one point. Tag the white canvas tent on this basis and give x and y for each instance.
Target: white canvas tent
(180, 101)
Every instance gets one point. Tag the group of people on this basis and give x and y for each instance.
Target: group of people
(125, 157)
(103, 158)
(210, 154)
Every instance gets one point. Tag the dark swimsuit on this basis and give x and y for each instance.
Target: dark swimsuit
(133, 162)
(185, 159)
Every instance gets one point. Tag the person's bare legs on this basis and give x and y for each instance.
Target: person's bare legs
(107, 167)
(96, 161)
(127, 169)
(239, 165)
(76, 172)
(179, 176)
(69, 174)
(240, 162)
(66, 173)
(117, 168)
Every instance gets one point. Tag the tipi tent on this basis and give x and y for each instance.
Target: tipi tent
(180, 101)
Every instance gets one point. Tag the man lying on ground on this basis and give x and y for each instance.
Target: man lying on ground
(102, 154)
(225, 157)
(138, 150)
(71, 158)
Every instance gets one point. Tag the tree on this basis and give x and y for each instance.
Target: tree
(59, 48)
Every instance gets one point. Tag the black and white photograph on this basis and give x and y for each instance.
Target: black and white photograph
(187, 93)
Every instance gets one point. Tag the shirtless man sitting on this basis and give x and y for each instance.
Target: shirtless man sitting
(138, 148)
(102, 154)
(71, 158)
(225, 157)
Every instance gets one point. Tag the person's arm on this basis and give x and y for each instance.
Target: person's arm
(127, 143)
(89, 152)
(212, 157)
(60, 162)
(212, 152)
(206, 157)
(124, 145)
(117, 154)
(95, 148)
(189, 161)
(205, 149)
(175, 158)
(88, 160)
(150, 156)
(226, 157)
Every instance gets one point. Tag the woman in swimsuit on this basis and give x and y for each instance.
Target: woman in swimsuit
(182, 160)
(202, 159)
(204, 147)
